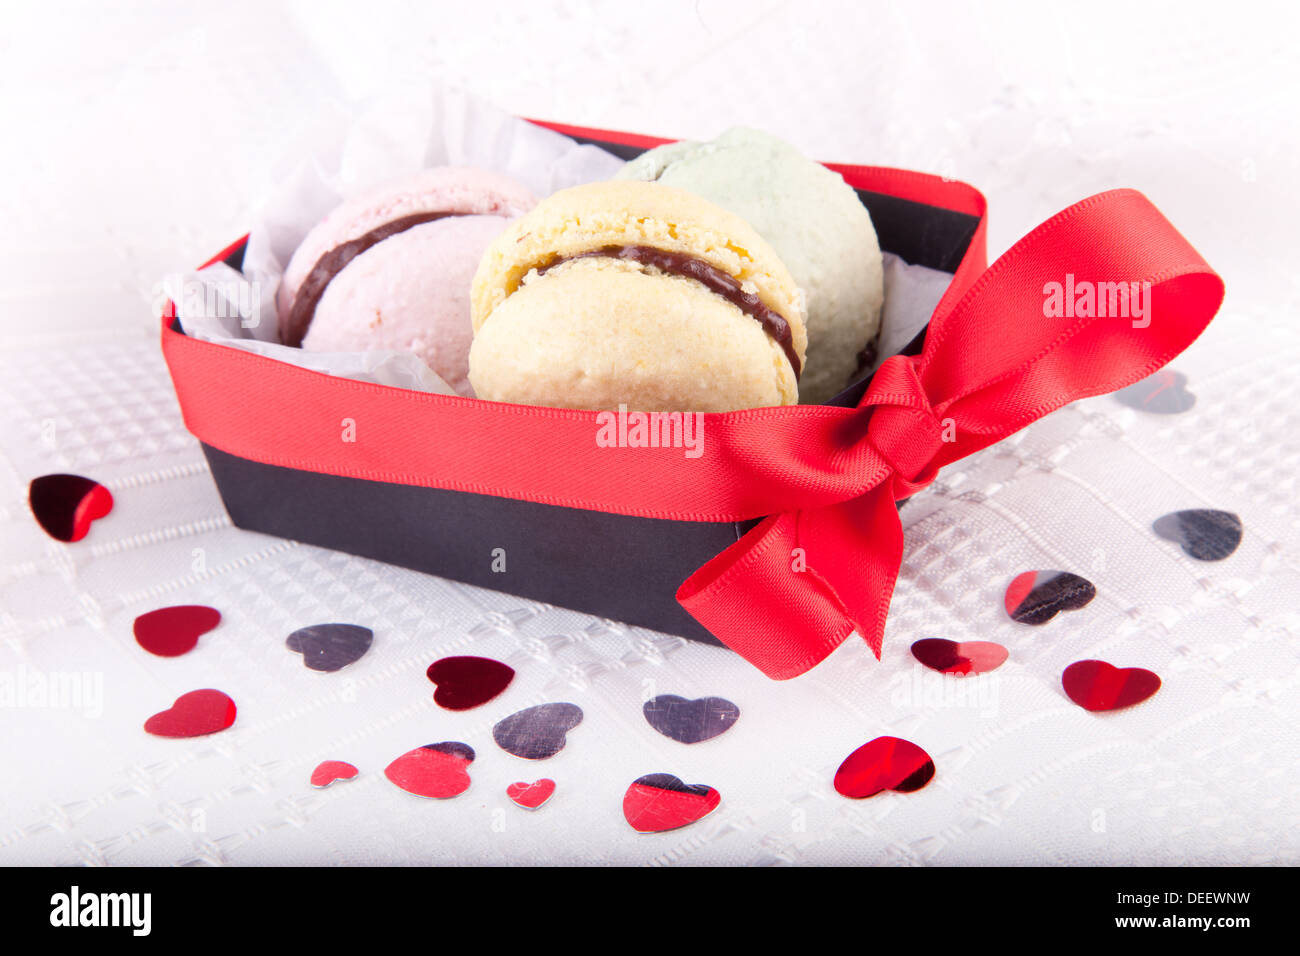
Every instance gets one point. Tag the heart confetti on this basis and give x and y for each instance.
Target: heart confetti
(1204, 534)
(65, 505)
(886, 763)
(466, 682)
(329, 771)
(1164, 393)
(966, 657)
(173, 631)
(434, 770)
(660, 801)
(1035, 597)
(196, 714)
(1096, 685)
(330, 647)
(690, 721)
(538, 732)
(531, 796)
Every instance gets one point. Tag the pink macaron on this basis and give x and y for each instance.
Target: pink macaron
(392, 269)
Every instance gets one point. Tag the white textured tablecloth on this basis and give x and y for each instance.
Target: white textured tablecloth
(136, 142)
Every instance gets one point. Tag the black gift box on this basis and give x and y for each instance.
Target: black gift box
(614, 566)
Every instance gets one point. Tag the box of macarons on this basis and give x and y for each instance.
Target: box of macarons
(687, 385)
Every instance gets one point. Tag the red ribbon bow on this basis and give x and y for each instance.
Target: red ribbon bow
(790, 591)
(824, 560)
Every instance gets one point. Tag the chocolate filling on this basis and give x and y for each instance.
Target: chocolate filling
(333, 262)
(714, 279)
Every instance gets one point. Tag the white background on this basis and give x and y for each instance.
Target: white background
(138, 138)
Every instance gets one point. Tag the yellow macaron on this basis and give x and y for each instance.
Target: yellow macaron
(635, 294)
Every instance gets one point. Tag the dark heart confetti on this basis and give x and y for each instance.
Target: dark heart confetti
(65, 505)
(331, 770)
(465, 682)
(1164, 393)
(690, 721)
(196, 714)
(660, 801)
(965, 657)
(531, 796)
(886, 763)
(173, 631)
(1096, 685)
(434, 770)
(1035, 597)
(538, 732)
(330, 647)
(1204, 534)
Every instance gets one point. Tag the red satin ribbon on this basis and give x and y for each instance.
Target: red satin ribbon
(823, 561)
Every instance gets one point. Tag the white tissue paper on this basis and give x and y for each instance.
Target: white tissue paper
(347, 151)
(911, 294)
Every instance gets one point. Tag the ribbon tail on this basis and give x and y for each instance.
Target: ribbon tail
(791, 590)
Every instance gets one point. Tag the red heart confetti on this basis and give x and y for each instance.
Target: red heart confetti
(660, 801)
(886, 763)
(530, 796)
(1203, 533)
(966, 657)
(467, 682)
(329, 771)
(690, 721)
(1035, 597)
(434, 770)
(330, 647)
(65, 505)
(173, 631)
(196, 714)
(537, 733)
(1097, 685)
(1164, 393)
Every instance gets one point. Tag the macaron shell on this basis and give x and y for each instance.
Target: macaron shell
(812, 218)
(409, 293)
(584, 218)
(597, 332)
(457, 189)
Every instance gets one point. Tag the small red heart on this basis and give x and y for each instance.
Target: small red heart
(65, 505)
(1164, 393)
(173, 631)
(966, 657)
(434, 770)
(1096, 685)
(465, 682)
(195, 714)
(886, 763)
(331, 770)
(1035, 597)
(530, 796)
(660, 801)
